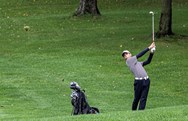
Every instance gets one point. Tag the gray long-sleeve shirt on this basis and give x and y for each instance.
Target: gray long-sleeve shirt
(137, 67)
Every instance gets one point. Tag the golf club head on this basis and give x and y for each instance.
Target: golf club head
(151, 12)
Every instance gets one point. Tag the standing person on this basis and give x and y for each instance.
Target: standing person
(142, 81)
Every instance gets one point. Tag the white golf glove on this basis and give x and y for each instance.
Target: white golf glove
(153, 50)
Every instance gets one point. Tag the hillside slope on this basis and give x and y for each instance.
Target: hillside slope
(88, 50)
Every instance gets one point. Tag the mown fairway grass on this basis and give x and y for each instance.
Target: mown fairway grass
(88, 50)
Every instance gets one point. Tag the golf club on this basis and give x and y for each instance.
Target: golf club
(153, 34)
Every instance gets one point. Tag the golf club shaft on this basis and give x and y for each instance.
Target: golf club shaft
(153, 34)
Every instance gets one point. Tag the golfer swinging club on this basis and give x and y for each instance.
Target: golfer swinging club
(142, 81)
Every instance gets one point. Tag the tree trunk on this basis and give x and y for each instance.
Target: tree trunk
(87, 6)
(165, 24)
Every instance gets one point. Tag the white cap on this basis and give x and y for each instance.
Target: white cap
(125, 51)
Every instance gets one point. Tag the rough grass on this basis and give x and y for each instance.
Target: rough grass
(88, 50)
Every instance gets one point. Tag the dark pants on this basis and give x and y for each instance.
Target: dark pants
(141, 89)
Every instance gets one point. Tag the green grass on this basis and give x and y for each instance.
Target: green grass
(88, 50)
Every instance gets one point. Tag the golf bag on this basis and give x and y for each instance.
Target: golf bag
(79, 101)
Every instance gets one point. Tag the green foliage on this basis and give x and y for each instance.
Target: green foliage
(88, 50)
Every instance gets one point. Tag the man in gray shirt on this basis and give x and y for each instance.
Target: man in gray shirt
(142, 81)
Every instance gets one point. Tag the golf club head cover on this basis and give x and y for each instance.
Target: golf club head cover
(74, 85)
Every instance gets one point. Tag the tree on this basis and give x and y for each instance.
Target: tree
(165, 24)
(87, 6)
